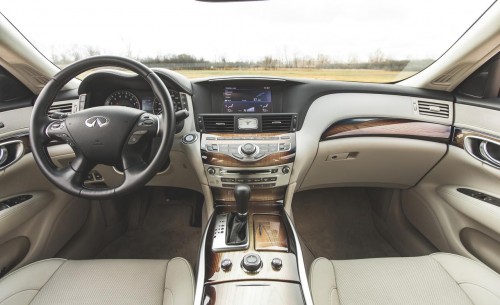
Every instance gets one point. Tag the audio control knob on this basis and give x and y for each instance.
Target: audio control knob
(211, 171)
(248, 149)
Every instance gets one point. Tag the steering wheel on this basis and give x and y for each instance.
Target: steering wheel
(107, 135)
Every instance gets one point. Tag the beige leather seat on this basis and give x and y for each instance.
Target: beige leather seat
(64, 282)
(434, 279)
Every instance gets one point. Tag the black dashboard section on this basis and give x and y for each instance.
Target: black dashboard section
(295, 96)
(488, 103)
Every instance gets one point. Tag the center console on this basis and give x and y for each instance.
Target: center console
(263, 265)
(250, 252)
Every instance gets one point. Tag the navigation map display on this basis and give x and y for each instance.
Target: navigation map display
(247, 99)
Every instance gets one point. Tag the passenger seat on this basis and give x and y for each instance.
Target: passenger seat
(100, 282)
(438, 278)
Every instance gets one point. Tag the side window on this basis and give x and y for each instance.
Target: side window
(484, 83)
(12, 91)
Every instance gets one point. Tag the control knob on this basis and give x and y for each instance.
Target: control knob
(248, 149)
(211, 171)
(251, 262)
(285, 169)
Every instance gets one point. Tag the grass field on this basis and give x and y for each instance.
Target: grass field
(379, 76)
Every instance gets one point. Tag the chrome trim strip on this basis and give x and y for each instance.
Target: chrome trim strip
(19, 152)
(468, 149)
(304, 283)
(483, 149)
(200, 281)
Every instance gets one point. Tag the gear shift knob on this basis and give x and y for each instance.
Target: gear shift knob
(242, 196)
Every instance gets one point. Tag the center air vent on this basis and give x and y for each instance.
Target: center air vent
(216, 123)
(278, 123)
(433, 109)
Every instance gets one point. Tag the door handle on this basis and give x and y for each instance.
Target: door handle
(486, 154)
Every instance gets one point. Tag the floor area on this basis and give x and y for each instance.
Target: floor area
(166, 225)
(338, 224)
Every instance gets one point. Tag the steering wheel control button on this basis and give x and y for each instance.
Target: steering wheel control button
(148, 122)
(277, 263)
(251, 263)
(189, 138)
(226, 264)
(248, 149)
(134, 139)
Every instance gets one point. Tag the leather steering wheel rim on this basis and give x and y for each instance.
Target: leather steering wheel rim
(44, 129)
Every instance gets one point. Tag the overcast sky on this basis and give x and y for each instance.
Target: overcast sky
(249, 30)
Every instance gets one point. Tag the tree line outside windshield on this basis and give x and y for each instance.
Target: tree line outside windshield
(377, 68)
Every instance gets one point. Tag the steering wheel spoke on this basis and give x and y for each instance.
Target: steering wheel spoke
(147, 126)
(57, 130)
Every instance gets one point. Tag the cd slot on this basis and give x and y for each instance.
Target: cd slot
(248, 171)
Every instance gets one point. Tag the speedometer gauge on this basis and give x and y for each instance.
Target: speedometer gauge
(176, 100)
(123, 98)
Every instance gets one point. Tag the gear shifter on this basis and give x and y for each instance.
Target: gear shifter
(242, 196)
(237, 222)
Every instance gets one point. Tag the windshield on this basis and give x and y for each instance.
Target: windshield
(355, 40)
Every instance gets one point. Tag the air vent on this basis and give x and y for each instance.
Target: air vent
(64, 106)
(277, 123)
(217, 123)
(433, 109)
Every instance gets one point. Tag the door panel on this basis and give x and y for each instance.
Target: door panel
(36, 218)
(466, 223)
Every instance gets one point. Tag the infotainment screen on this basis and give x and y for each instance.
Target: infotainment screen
(247, 99)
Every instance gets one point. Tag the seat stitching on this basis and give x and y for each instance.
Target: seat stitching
(497, 296)
(467, 258)
(442, 267)
(165, 284)
(330, 297)
(190, 276)
(48, 280)
(171, 293)
(32, 264)
(335, 283)
(8, 297)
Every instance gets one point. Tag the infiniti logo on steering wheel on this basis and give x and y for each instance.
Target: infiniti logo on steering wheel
(99, 121)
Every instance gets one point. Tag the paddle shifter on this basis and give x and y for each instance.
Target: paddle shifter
(237, 222)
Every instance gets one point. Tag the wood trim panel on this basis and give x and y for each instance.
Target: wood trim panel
(257, 195)
(218, 159)
(460, 134)
(246, 135)
(269, 233)
(275, 293)
(388, 127)
(213, 272)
